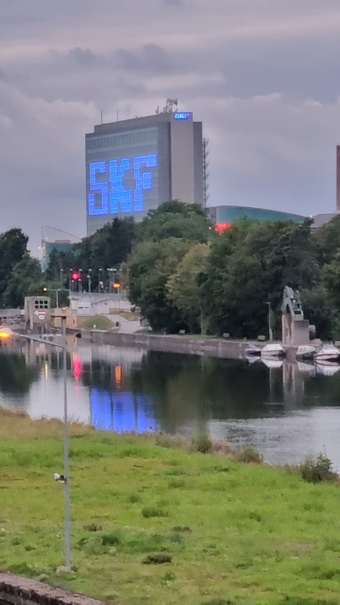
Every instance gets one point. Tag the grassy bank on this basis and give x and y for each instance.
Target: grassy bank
(235, 533)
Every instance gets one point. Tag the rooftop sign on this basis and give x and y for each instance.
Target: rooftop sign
(182, 115)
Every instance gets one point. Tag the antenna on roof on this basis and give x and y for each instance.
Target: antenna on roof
(169, 105)
(101, 116)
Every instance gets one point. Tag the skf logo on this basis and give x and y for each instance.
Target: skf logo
(182, 115)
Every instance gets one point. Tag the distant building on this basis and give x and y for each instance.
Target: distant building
(133, 166)
(338, 178)
(224, 216)
(322, 219)
(47, 247)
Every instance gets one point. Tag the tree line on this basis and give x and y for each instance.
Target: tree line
(184, 276)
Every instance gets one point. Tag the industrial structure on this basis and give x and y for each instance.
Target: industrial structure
(134, 165)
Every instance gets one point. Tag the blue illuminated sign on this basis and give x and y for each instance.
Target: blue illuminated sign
(182, 115)
(107, 184)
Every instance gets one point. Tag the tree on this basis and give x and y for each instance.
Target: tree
(183, 287)
(175, 219)
(249, 265)
(25, 274)
(149, 270)
(319, 311)
(107, 248)
(13, 246)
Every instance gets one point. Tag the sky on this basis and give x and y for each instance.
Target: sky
(262, 75)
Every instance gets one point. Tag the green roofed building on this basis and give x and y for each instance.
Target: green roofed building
(224, 216)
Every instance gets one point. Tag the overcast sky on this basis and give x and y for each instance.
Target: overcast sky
(262, 75)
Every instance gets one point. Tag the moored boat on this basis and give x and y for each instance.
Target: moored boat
(273, 363)
(305, 352)
(273, 350)
(326, 368)
(252, 350)
(327, 352)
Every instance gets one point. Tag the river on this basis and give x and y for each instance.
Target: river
(287, 412)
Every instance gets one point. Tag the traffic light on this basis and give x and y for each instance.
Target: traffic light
(75, 275)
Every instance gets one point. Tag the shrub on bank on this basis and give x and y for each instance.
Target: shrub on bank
(249, 455)
(318, 468)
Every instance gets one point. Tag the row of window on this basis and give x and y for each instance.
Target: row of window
(117, 140)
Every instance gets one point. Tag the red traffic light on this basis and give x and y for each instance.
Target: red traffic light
(75, 275)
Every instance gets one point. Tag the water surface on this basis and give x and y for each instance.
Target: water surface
(286, 412)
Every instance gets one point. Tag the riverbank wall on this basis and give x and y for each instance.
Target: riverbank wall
(15, 590)
(208, 347)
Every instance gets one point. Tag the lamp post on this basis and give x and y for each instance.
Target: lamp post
(66, 454)
(110, 271)
(270, 331)
(65, 477)
(89, 280)
(100, 271)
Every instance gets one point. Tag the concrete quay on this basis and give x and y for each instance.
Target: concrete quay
(15, 590)
(208, 347)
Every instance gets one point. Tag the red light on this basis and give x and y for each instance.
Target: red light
(222, 226)
(76, 367)
(75, 275)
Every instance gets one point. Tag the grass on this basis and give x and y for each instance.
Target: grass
(152, 524)
(100, 321)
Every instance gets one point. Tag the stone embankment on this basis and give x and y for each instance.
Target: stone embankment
(209, 347)
(15, 590)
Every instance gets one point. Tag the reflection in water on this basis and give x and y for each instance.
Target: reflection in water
(121, 412)
(286, 411)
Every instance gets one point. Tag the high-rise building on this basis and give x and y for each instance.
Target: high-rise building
(338, 178)
(133, 166)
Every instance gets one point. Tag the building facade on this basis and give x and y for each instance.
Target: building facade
(224, 216)
(133, 166)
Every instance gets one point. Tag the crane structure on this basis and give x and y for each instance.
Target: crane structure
(295, 328)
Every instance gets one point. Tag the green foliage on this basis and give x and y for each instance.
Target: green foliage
(175, 219)
(154, 511)
(317, 468)
(108, 248)
(149, 270)
(183, 286)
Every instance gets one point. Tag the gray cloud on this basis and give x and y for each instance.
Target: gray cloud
(263, 76)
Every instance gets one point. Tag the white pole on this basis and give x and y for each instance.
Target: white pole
(66, 457)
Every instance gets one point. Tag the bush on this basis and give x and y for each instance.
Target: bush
(249, 455)
(112, 539)
(317, 468)
(153, 511)
(202, 444)
(157, 558)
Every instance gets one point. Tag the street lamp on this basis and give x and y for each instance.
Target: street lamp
(89, 280)
(100, 271)
(270, 331)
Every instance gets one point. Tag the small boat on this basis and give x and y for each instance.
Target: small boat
(326, 368)
(305, 352)
(327, 352)
(272, 363)
(273, 350)
(252, 350)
